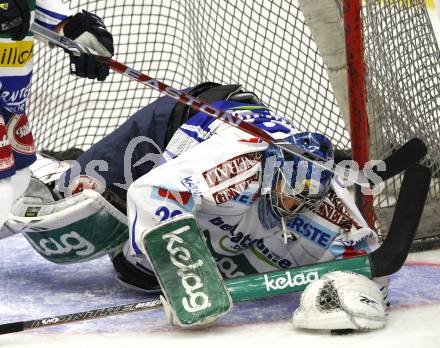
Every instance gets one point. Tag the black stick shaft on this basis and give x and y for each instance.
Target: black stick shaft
(404, 157)
(407, 214)
(79, 316)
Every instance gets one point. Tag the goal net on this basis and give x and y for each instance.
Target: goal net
(291, 53)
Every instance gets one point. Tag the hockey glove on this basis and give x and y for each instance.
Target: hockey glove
(15, 17)
(89, 30)
(341, 300)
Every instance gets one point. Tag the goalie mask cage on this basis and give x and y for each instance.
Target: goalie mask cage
(290, 53)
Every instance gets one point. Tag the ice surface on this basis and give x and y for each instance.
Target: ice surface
(32, 288)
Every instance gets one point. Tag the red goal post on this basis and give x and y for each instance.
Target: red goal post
(359, 136)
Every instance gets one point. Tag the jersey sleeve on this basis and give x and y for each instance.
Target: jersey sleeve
(206, 164)
(51, 12)
(360, 239)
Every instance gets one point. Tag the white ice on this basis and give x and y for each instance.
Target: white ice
(415, 325)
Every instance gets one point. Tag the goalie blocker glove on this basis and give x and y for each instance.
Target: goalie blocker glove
(88, 30)
(15, 17)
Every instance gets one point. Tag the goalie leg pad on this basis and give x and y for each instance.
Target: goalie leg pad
(194, 292)
(75, 229)
(341, 300)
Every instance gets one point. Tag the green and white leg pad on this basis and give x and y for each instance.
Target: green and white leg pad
(194, 292)
(78, 228)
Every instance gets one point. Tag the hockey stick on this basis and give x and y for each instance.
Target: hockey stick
(78, 316)
(231, 118)
(404, 157)
(386, 260)
(398, 161)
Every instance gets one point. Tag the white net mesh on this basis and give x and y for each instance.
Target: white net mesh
(263, 46)
(401, 57)
(403, 82)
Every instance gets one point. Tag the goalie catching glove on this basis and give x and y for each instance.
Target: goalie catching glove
(341, 300)
(88, 30)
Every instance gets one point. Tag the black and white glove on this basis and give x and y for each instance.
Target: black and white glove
(89, 31)
(15, 17)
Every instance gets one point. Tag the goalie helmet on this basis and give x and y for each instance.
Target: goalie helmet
(295, 184)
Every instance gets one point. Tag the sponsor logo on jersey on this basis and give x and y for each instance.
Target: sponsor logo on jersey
(231, 168)
(184, 199)
(336, 213)
(4, 6)
(238, 241)
(312, 231)
(191, 185)
(268, 256)
(6, 157)
(180, 197)
(336, 217)
(233, 190)
(336, 201)
(220, 223)
(20, 135)
(246, 198)
(289, 281)
(355, 239)
(14, 100)
(179, 256)
(15, 54)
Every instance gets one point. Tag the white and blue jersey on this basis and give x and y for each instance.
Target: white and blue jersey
(214, 171)
(17, 149)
